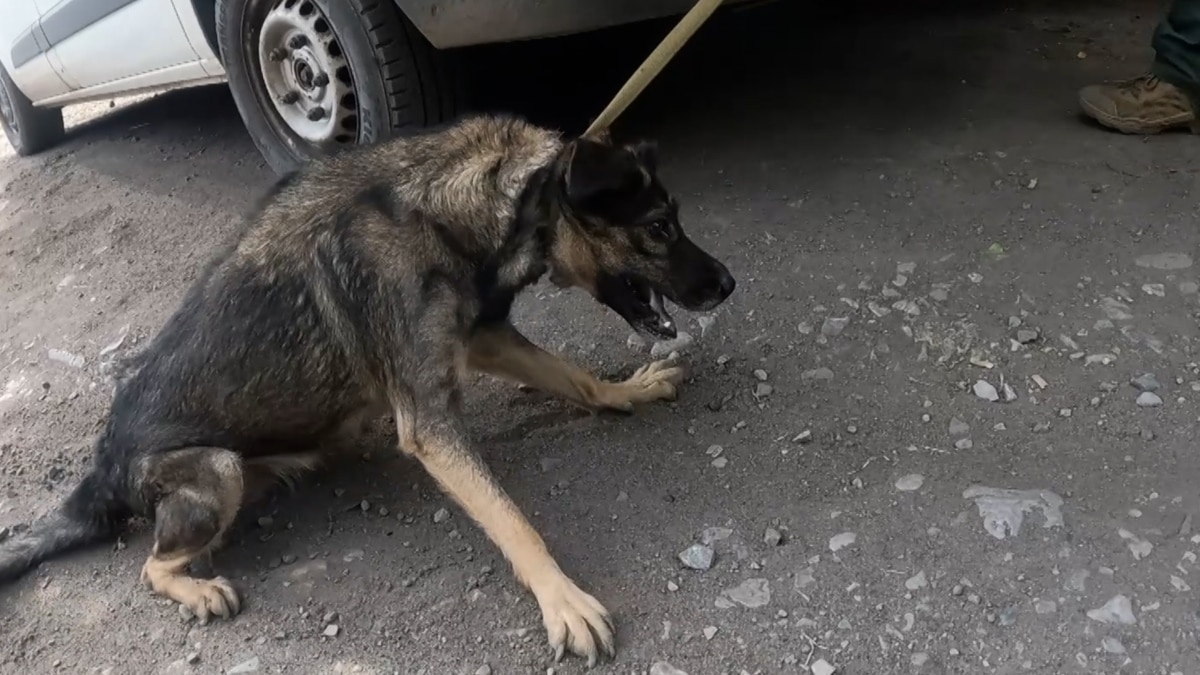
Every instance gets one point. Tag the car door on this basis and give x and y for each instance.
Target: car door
(23, 50)
(124, 44)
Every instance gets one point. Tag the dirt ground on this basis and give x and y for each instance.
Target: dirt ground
(910, 203)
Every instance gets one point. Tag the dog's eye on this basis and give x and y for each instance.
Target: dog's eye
(660, 229)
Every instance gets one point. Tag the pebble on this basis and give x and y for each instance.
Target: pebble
(958, 427)
(1117, 610)
(1065, 412)
(1145, 382)
(1149, 399)
(720, 462)
(751, 593)
(1189, 287)
(803, 437)
(822, 667)
(697, 557)
(772, 537)
(266, 521)
(817, 374)
(760, 375)
(919, 659)
(709, 632)
(1112, 645)
(804, 328)
(485, 669)
(248, 666)
(1045, 607)
(635, 342)
(763, 390)
(663, 348)
(906, 267)
(841, 541)
(1164, 261)
(986, 391)
(331, 630)
(834, 326)
(910, 482)
(964, 444)
(441, 516)
(672, 586)
(192, 658)
(1027, 335)
(664, 668)
(916, 582)
(939, 295)
(1156, 290)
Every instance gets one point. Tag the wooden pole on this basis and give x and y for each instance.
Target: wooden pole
(654, 63)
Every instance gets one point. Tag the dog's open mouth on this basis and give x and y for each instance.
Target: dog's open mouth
(651, 316)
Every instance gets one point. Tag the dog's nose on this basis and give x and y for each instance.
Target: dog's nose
(726, 283)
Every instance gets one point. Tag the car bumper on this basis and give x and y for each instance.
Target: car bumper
(461, 23)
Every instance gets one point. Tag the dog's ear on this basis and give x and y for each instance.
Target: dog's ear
(598, 174)
(646, 153)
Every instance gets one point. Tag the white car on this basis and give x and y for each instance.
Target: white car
(308, 76)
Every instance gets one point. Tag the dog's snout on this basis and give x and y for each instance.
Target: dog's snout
(725, 283)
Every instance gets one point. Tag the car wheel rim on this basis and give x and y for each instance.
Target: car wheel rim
(6, 109)
(306, 75)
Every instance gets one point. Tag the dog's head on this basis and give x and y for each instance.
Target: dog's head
(620, 238)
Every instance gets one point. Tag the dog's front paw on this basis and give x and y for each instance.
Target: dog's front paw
(575, 621)
(657, 381)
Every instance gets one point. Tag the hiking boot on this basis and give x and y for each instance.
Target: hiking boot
(1143, 105)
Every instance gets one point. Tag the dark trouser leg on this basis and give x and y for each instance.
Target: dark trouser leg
(1177, 48)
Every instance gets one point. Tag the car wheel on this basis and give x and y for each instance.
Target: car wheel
(311, 77)
(29, 129)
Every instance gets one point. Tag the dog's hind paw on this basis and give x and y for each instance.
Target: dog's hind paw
(575, 621)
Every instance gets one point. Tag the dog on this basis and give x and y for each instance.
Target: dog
(371, 284)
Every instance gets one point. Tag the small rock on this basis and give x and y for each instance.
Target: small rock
(720, 462)
(986, 391)
(834, 326)
(804, 328)
(804, 578)
(441, 516)
(664, 668)
(1145, 382)
(664, 348)
(1189, 287)
(635, 342)
(672, 586)
(697, 557)
(66, 358)
(763, 390)
(760, 375)
(711, 535)
(192, 658)
(1112, 645)
(485, 669)
(919, 659)
(1065, 412)
(248, 666)
(822, 667)
(910, 482)
(939, 294)
(330, 617)
(1156, 290)
(964, 444)
(958, 427)
(709, 632)
(1045, 607)
(751, 593)
(823, 374)
(1027, 335)
(772, 537)
(916, 582)
(841, 541)
(802, 437)
(1164, 261)
(331, 630)
(266, 521)
(1117, 610)
(1149, 399)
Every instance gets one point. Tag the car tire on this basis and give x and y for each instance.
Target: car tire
(380, 75)
(29, 129)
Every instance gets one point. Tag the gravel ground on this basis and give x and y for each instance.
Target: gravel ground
(919, 223)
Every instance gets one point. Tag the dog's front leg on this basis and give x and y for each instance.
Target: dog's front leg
(502, 351)
(573, 619)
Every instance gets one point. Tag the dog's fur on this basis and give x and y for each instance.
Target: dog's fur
(369, 284)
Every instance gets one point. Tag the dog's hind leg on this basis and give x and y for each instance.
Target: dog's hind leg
(197, 494)
(504, 352)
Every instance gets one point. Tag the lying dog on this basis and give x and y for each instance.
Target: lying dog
(371, 284)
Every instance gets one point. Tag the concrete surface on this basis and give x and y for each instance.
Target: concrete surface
(923, 175)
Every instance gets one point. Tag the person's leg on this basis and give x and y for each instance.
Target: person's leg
(1167, 97)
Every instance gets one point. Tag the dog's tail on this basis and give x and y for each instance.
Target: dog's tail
(89, 514)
